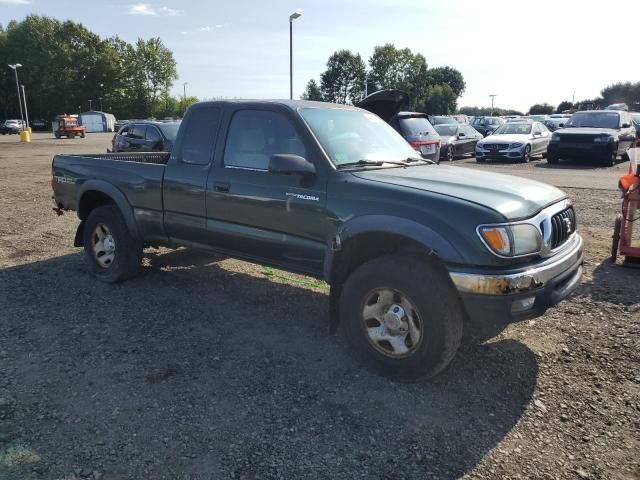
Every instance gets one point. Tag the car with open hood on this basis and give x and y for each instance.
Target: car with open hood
(515, 140)
(414, 127)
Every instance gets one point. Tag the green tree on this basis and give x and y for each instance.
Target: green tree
(343, 80)
(565, 105)
(439, 100)
(628, 93)
(312, 92)
(447, 76)
(541, 109)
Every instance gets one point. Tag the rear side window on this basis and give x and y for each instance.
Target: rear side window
(256, 135)
(416, 126)
(136, 131)
(200, 135)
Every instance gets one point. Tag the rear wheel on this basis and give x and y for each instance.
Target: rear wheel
(82, 135)
(449, 153)
(552, 159)
(112, 252)
(402, 317)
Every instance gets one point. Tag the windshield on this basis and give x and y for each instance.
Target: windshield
(594, 120)
(513, 129)
(170, 130)
(444, 120)
(447, 130)
(415, 126)
(352, 135)
(71, 123)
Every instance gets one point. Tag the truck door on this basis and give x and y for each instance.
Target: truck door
(261, 215)
(185, 177)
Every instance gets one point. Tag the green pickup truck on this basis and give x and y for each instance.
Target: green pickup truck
(414, 252)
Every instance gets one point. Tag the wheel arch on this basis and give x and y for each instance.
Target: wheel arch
(98, 193)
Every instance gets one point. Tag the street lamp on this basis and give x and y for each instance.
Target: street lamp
(100, 98)
(184, 92)
(15, 68)
(26, 112)
(90, 109)
(292, 17)
(493, 95)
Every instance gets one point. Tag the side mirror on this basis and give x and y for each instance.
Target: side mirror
(537, 134)
(460, 135)
(626, 125)
(286, 164)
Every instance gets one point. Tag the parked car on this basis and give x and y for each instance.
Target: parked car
(457, 140)
(461, 118)
(145, 136)
(414, 127)
(442, 120)
(600, 135)
(414, 252)
(11, 127)
(486, 125)
(515, 140)
(554, 124)
(40, 124)
(538, 118)
(635, 117)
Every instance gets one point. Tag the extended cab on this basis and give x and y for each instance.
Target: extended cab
(413, 251)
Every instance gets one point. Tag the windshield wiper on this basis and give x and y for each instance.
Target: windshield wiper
(416, 159)
(365, 163)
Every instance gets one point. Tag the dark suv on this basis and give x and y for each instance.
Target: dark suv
(413, 126)
(145, 136)
(486, 125)
(595, 135)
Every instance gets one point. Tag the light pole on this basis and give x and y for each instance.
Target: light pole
(292, 17)
(15, 68)
(90, 104)
(184, 92)
(100, 98)
(493, 95)
(26, 113)
(101, 93)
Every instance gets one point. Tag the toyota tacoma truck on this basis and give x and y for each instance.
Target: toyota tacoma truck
(414, 252)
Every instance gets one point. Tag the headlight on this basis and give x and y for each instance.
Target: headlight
(603, 139)
(515, 145)
(555, 137)
(479, 146)
(511, 240)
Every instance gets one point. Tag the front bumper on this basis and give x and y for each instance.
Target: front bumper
(508, 153)
(507, 296)
(580, 150)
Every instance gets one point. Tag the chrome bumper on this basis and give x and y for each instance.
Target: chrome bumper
(531, 280)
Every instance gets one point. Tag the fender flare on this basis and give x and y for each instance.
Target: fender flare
(118, 198)
(422, 234)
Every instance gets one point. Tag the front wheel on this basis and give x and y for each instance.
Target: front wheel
(403, 317)
(526, 156)
(611, 160)
(112, 252)
(57, 135)
(552, 159)
(82, 135)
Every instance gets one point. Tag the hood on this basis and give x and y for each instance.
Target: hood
(512, 138)
(385, 103)
(587, 131)
(513, 197)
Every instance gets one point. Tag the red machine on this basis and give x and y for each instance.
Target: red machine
(623, 242)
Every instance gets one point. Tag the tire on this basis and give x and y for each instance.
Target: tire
(449, 153)
(544, 155)
(612, 159)
(82, 135)
(526, 157)
(127, 251)
(414, 286)
(57, 135)
(552, 159)
(615, 242)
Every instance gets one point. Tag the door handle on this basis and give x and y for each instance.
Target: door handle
(221, 187)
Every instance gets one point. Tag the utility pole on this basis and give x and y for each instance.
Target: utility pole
(573, 98)
(292, 17)
(15, 68)
(184, 92)
(90, 104)
(493, 95)
(26, 113)
(100, 98)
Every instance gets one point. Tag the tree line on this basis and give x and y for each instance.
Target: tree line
(347, 79)
(65, 65)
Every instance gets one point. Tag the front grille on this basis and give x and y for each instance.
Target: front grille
(563, 224)
(576, 138)
(495, 146)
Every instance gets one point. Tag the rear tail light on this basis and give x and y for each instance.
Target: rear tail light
(429, 142)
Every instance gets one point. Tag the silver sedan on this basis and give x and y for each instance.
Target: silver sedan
(517, 140)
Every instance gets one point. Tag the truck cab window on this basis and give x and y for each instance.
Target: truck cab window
(256, 135)
(199, 138)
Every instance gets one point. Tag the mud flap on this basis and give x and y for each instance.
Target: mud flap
(78, 241)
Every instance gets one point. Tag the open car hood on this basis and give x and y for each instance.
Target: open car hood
(385, 103)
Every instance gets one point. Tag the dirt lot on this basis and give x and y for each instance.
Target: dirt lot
(205, 368)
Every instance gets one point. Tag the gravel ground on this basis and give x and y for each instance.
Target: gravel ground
(206, 368)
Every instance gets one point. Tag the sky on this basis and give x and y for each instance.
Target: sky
(525, 52)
